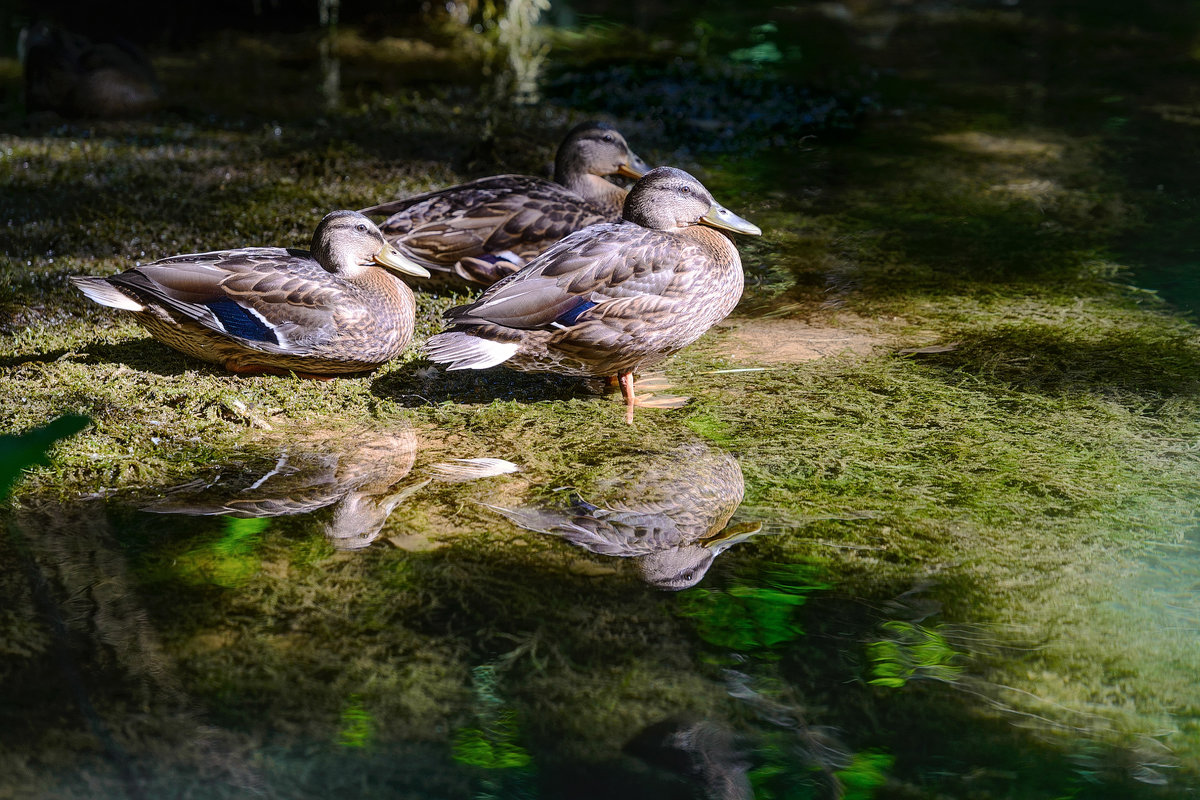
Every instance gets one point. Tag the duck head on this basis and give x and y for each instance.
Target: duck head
(347, 243)
(669, 199)
(596, 148)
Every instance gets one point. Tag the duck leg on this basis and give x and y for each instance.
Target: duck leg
(649, 400)
(626, 381)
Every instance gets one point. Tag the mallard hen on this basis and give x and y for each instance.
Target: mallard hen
(611, 299)
(269, 309)
(70, 75)
(478, 232)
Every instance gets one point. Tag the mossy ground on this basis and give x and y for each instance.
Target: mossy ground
(1011, 482)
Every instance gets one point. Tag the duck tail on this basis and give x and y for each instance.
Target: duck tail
(104, 293)
(462, 350)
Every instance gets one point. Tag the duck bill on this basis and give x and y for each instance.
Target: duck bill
(392, 259)
(634, 168)
(721, 217)
(731, 535)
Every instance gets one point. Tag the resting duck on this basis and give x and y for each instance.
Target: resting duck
(611, 299)
(273, 310)
(70, 75)
(479, 232)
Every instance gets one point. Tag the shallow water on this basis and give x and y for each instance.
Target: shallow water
(367, 613)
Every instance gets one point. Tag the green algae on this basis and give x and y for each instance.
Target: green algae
(749, 618)
(910, 651)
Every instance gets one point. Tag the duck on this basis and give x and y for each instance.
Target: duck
(336, 309)
(68, 74)
(476, 233)
(612, 299)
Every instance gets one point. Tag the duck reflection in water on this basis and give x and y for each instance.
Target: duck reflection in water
(361, 477)
(705, 752)
(667, 511)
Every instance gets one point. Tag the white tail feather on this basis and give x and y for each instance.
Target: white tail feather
(104, 293)
(463, 351)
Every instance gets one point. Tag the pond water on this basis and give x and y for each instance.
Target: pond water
(871, 558)
(381, 613)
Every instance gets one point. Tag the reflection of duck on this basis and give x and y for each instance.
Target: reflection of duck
(68, 74)
(667, 511)
(702, 751)
(479, 232)
(269, 309)
(360, 476)
(611, 299)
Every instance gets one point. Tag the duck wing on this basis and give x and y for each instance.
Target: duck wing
(513, 213)
(598, 530)
(274, 299)
(618, 265)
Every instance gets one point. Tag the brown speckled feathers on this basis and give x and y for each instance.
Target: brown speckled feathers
(611, 299)
(330, 311)
(479, 232)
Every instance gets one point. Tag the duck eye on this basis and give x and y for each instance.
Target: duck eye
(685, 189)
(608, 137)
(361, 227)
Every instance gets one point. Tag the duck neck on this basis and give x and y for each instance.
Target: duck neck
(595, 189)
(722, 248)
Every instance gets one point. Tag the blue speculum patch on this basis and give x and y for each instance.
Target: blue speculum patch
(572, 316)
(241, 322)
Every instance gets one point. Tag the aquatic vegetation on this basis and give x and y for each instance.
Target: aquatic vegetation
(494, 745)
(357, 724)
(765, 50)
(227, 561)
(753, 615)
(911, 652)
(866, 772)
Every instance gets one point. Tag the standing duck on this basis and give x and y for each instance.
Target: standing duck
(274, 310)
(476, 233)
(612, 299)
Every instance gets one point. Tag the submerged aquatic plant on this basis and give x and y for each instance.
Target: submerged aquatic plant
(357, 724)
(493, 744)
(228, 561)
(866, 772)
(764, 50)
(753, 615)
(791, 768)
(911, 651)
